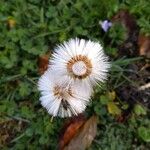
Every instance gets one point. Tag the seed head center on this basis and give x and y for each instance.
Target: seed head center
(79, 68)
(62, 92)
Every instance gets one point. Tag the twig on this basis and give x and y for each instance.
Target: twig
(143, 87)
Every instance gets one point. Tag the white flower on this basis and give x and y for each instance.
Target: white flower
(62, 99)
(80, 61)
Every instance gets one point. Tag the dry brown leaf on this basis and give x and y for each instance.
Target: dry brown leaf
(127, 19)
(85, 136)
(70, 129)
(129, 47)
(144, 45)
(43, 63)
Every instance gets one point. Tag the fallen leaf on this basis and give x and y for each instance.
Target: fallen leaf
(129, 47)
(144, 45)
(11, 23)
(127, 19)
(70, 129)
(112, 95)
(43, 63)
(113, 109)
(85, 136)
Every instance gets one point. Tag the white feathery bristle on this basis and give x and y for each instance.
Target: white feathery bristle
(68, 100)
(86, 59)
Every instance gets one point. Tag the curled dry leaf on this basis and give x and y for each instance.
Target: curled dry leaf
(85, 135)
(43, 63)
(70, 129)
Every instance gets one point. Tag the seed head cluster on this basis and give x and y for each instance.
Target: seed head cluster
(76, 66)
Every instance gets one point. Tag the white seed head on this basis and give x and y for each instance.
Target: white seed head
(61, 99)
(80, 60)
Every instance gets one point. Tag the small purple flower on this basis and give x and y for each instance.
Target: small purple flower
(105, 25)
